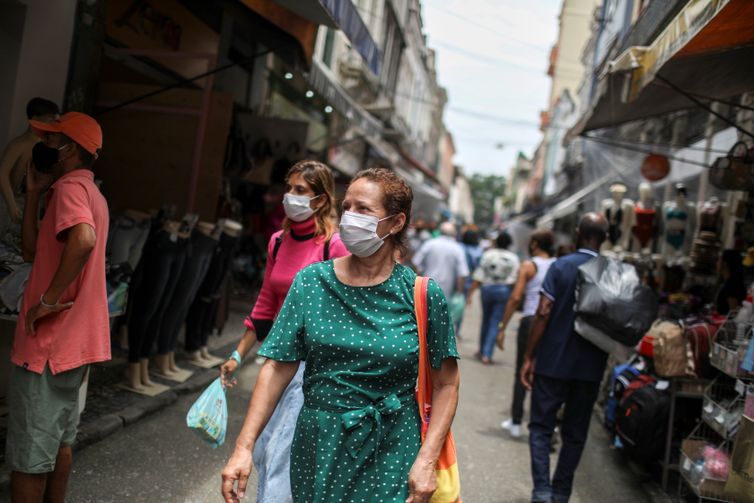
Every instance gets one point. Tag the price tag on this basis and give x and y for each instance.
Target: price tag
(740, 387)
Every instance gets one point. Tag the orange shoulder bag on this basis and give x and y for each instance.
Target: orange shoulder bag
(448, 480)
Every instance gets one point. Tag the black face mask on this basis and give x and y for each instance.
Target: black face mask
(44, 157)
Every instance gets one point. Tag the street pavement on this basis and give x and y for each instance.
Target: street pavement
(159, 459)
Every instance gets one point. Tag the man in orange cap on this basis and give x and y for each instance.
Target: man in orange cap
(63, 325)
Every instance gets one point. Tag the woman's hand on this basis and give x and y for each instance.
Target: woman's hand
(226, 373)
(236, 472)
(422, 481)
(501, 339)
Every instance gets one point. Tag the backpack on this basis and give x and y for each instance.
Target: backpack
(621, 378)
(642, 419)
(279, 242)
(700, 337)
(672, 355)
(263, 327)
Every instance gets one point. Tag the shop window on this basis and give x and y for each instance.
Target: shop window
(392, 50)
(328, 49)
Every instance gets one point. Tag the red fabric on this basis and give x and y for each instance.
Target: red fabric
(645, 226)
(80, 335)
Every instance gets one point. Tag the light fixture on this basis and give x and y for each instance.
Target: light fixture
(328, 109)
(309, 93)
(288, 76)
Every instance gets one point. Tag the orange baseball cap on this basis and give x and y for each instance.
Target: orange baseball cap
(79, 127)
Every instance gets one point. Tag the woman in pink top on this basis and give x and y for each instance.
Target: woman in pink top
(308, 236)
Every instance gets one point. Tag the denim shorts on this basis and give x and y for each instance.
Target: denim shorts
(43, 416)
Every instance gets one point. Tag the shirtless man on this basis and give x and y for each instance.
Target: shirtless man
(15, 159)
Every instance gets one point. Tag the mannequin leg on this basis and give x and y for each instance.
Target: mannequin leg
(162, 361)
(133, 376)
(195, 356)
(171, 363)
(205, 353)
(144, 372)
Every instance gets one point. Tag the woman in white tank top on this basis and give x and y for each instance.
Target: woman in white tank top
(530, 278)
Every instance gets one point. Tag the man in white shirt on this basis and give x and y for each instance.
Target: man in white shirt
(443, 260)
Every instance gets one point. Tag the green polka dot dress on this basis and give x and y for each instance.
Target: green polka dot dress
(357, 435)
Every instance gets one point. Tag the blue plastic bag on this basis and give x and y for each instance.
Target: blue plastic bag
(456, 306)
(208, 417)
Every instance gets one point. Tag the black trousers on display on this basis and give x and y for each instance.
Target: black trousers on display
(204, 308)
(160, 269)
(192, 276)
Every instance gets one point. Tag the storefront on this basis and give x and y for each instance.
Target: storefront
(678, 195)
(204, 107)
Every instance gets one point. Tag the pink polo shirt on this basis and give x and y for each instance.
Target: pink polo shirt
(80, 335)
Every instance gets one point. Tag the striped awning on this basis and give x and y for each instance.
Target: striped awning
(705, 51)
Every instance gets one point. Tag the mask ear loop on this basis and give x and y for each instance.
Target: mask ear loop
(389, 233)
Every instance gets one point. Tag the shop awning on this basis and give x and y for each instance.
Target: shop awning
(341, 101)
(705, 51)
(343, 15)
(418, 165)
(570, 204)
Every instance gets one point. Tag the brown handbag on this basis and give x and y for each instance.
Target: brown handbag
(734, 171)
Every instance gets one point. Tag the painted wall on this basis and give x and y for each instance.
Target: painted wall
(42, 62)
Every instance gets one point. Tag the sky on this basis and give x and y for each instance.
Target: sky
(492, 58)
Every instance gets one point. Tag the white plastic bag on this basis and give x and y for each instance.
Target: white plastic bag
(209, 414)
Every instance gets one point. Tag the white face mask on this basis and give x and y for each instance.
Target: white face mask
(359, 233)
(297, 208)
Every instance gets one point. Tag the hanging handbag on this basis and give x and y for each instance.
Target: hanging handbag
(734, 171)
(448, 480)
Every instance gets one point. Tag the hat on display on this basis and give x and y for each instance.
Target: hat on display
(81, 128)
(749, 257)
(618, 187)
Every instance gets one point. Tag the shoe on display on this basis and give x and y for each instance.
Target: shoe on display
(513, 429)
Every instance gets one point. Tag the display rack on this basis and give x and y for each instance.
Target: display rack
(730, 345)
(723, 407)
(679, 388)
(695, 476)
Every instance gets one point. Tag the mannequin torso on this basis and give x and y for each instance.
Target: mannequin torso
(645, 220)
(679, 218)
(619, 214)
(13, 163)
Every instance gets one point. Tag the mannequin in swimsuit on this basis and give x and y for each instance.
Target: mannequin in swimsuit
(619, 213)
(645, 220)
(679, 222)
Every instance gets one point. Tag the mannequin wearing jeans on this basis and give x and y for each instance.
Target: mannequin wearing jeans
(163, 259)
(203, 247)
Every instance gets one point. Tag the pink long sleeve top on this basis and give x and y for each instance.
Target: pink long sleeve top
(298, 249)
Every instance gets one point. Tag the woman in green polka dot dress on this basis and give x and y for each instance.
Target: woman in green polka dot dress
(352, 320)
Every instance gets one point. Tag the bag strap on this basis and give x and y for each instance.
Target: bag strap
(276, 249)
(326, 252)
(424, 381)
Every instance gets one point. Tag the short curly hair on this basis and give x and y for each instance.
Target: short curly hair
(397, 197)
